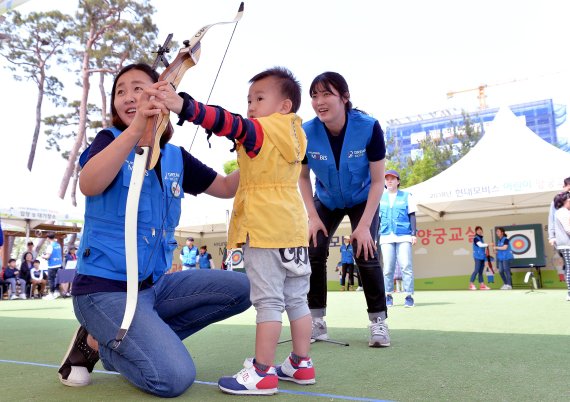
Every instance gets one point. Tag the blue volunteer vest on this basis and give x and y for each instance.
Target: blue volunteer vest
(204, 261)
(102, 249)
(503, 255)
(478, 252)
(189, 255)
(395, 219)
(54, 260)
(346, 254)
(349, 185)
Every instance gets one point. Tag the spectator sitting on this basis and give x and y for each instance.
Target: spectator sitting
(38, 279)
(26, 266)
(12, 276)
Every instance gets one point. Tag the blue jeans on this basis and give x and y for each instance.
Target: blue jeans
(401, 252)
(505, 271)
(152, 356)
(478, 271)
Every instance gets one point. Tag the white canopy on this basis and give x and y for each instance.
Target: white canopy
(510, 171)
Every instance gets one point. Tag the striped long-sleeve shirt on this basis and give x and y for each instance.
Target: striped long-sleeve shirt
(222, 123)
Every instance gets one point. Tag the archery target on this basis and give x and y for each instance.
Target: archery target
(522, 243)
(237, 258)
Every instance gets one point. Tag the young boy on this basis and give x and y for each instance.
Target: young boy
(37, 278)
(268, 220)
(12, 276)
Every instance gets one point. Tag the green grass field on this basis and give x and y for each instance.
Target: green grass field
(453, 346)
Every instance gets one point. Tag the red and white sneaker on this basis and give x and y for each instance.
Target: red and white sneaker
(250, 381)
(482, 286)
(472, 286)
(302, 373)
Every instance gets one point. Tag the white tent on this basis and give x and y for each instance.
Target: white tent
(510, 171)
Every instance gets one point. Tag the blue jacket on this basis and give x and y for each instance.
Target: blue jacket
(346, 254)
(507, 254)
(188, 255)
(395, 219)
(102, 249)
(478, 252)
(350, 184)
(204, 261)
(55, 258)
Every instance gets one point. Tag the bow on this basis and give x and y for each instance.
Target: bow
(147, 152)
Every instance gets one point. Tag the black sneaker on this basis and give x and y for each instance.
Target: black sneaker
(79, 361)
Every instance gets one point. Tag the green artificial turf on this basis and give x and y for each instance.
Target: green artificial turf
(453, 346)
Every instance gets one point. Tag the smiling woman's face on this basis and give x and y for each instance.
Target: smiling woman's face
(127, 93)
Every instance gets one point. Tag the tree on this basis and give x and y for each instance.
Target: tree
(437, 154)
(37, 41)
(109, 33)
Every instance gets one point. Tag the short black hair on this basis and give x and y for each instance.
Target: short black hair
(51, 236)
(290, 87)
(38, 261)
(567, 181)
(11, 259)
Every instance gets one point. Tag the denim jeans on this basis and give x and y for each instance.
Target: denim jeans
(402, 253)
(478, 271)
(152, 356)
(505, 271)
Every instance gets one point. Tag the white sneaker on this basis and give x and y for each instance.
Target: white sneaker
(319, 331)
(359, 289)
(504, 287)
(568, 298)
(23, 296)
(13, 297)
(49, 296)
(379, 335)
(250, 381)
(56, 294)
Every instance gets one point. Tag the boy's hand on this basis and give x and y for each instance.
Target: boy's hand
(166, 92)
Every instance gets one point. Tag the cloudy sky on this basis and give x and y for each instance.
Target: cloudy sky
(400, 58)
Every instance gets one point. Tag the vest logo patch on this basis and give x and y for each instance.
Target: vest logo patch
(175, 189)
(357, 154)
(317, 155)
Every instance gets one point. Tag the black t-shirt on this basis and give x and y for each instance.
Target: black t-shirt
(375, 150)
(197, 178)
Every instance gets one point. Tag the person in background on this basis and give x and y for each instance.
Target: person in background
(26, 266)
(504, 257)
(552, 222)
(562, 232)
(12, 277)
(30, 248)
(347, 260)
(188, 254)
(397, 236)
(479, 258)
(170, 308)
(205, 260)
(37, 280)
(346, 152)
(54, 257)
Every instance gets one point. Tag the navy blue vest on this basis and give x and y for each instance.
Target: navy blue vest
(102, 249)
(395, 219)
(503, 255)
(350, 184)
(55, 259)
(478, 252)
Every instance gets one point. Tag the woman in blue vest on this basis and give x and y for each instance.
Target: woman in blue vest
(346, 153)
(504, 257)
(479, 256)
(170, 307)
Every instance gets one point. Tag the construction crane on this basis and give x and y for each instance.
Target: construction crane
(481, 90)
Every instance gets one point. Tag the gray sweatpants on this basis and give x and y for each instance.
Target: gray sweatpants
(279, 279)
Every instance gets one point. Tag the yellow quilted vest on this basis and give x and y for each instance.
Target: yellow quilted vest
(268, 206)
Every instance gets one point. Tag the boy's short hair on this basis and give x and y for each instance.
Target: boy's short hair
(203, 248)
(38, 261)
(51, 236)
(290, 87)
(30, 243)
(11, 260)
